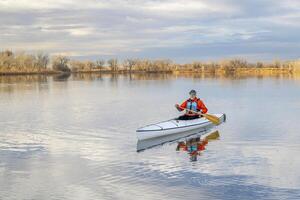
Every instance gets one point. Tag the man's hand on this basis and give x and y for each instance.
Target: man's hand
(200, 114)
(178, 107)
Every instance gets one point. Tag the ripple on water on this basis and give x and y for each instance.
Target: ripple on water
(76, 140)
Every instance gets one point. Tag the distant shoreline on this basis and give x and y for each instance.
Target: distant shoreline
(236, 71)
(12, 63)
(52, 72)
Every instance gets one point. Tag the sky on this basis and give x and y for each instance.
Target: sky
(181, 30)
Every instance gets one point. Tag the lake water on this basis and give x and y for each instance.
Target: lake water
(74, 138)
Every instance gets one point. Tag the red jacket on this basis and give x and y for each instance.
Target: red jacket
(200, 105)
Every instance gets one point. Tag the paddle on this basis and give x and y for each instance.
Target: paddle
(212, 136)
(214, 119)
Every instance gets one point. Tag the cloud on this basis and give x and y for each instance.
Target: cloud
(16, 5)
(179, 29)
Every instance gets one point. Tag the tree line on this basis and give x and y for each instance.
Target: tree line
(22, 62)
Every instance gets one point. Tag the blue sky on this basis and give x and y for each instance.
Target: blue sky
(181, 30)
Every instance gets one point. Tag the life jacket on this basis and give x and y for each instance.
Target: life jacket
(192, 105)
(192, 148)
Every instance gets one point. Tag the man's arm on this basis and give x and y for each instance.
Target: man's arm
(202, 107)
(182, 106)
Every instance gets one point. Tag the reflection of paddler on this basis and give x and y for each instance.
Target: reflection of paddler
(194, 145)
(181, 146)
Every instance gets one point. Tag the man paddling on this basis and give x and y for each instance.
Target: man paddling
(193, 104)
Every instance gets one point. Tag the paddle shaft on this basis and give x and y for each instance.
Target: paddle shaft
(212, 118)
(191, 111)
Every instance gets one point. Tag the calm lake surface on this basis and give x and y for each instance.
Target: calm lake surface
(74, 138)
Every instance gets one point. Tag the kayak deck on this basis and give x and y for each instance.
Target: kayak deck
(175, 126)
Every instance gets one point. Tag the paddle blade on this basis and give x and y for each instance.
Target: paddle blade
(214, 119)
(213, 136)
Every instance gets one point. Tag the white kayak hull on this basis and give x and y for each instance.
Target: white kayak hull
(174, 126)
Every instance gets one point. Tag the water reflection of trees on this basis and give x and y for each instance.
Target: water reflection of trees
(87, 76)
(23, 78)
(166, 76)
(114, 77)
(149, 76)
(232, 76)
(23, 82)
(61, 77)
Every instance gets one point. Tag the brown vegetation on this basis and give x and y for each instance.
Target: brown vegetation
(60, 63)
(22, 63)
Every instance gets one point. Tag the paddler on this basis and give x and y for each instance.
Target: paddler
(194, 104)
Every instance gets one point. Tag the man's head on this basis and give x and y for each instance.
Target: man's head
(193, 93)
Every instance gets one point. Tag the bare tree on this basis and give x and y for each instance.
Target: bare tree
(113, 64)
(60, 63)
(100, 64)
(236, 63)
(6, 60)
(259, 65)
(76, 66)
(42, 60)
(129, 64)
(277, 64)
(88, 65)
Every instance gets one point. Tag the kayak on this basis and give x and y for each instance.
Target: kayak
(174, 126)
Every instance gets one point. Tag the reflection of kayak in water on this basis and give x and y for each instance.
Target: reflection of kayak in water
(174, 126)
